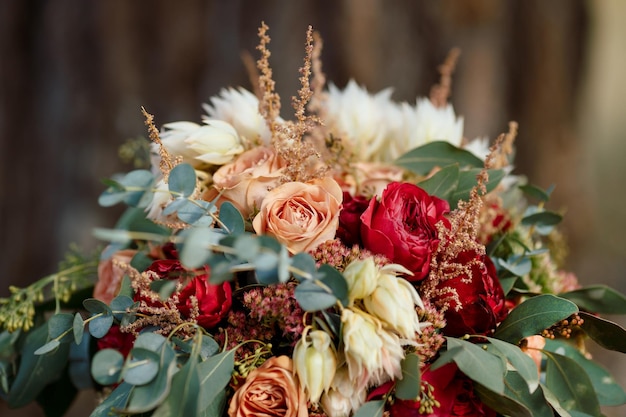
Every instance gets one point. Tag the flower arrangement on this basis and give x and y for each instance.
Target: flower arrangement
(362, 259)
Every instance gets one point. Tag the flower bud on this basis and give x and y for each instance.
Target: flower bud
(393, 301)
(315, 363)
(361, 277)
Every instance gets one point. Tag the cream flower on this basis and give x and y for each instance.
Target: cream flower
(369, 122)
(160, 199)
(344, 396)
(361, 276)
(424, 123)
(362, 344)
(315, 363)
(216, 142)
(240, 108)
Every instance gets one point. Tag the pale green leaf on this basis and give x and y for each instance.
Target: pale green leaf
(371, 409)
(182, 180)
(142, 367)
(106, 366)
(215, 373)
(408, 388)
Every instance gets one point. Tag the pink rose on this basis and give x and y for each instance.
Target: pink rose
(301, 215)
(372, 178)
(401, 226)
(110, 275)
(270, 390)
(246, 181)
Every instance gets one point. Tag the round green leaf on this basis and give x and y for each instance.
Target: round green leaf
(304, 264)
(99, 326)
(58, 324)
(106, 366)
(119, 305)
(311, 297)
(196, 249)
(231, 219)
(142, 367)
(150, 341)
(182, 179)
(78, 327)
(95, 306)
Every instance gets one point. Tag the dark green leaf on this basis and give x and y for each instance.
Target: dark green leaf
(507, 284)
(100, 325)
(502, 403)
(534, 315)
(472, 360)
(182, 180)
(215, 373)
(79, 368)
(371, 409)
(142, 367)
(521, 362)
(607, 334)
(443, 183)
(164, 287)
(144, 398)
(231, 218)
(57, 398)
(423, 159)
(408, 388)
(517, 387)
(312, 297)
(570, 384)
(468, 180)
(106, 366)
(78, 327)
(536, 192)
(36, 371)
(609, 392)
(141, 261)
(116, 400)
(598, 299)
(542, 218)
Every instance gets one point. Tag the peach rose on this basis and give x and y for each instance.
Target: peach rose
(270, 390)
(110, 275)
(247, 180)
(372, 178)
(301, 215)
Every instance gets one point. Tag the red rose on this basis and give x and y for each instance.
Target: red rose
(349, 230)
(474, 296)
(455, 394)
(401, 226)
(214, 301)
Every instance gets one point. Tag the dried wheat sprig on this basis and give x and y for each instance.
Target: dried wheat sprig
(439, 93)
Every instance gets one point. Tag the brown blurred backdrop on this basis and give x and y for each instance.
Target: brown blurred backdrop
(73, 75)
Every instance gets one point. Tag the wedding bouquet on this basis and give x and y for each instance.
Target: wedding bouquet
(362, 259)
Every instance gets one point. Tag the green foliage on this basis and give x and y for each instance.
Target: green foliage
(408, 388)
(598, 299)
(182, 180)
(423, 159)
(534, 315)
(133, 189)
(371, 409)
(106, 366)
(604, 332)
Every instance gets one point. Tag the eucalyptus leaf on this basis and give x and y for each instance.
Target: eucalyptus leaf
(604, 332)
(520, 361)
(534, 315)
(106, 366)
(209, 347)
(116, 400)
(517, 266)
(507, 284)
(312, 297)
(570, 384)
(182, 180)
(196, 249)
(193, 212)
(48, 347)
(216, 408)
(542, 218)
(246, 246)
(215, 373)
(408, 388)
(142, 367)
(231, 219)
(59, 324)
(598, 299)
(95, 306)
(36, 371)
(536, 192)
(144, 398)
(371, 409)
(175, 205)
(554, 402)
(423, 159)
(119, 305)
(183, 399)
(100, 324)
(608, 391)
(164, 287)
(78, 328)
(150, 341)
(303, 266)
(336, 282)
(443, 183)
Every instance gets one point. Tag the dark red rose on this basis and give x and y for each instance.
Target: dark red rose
(474, 296)
(401, 226)
(349, 230)
(118, 340)
(455, 394)
(214, 301)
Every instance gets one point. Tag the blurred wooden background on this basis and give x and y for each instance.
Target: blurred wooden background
(73, 75)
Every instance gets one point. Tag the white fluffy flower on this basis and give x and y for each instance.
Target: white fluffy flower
(216, 142)
(369, 122)
(424, 123)
(344, 396)
(240, 108)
